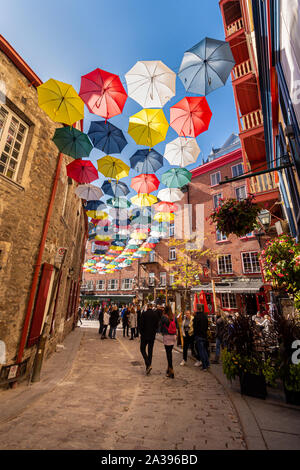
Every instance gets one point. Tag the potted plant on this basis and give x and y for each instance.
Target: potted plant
(237, 217)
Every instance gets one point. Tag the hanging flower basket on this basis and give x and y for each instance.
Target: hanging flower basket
(237, 217)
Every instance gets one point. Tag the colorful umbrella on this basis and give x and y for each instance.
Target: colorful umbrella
(101, 243)
(144, 183)
(60, 101)
(101, 223)
(151, 83)
(190, 116)
(115, 188)
(146, 161)
(144, 200)
(82, 171)
(182, 151)
(96, 214)
(141, 220)
(94, 205)
(206, 66)
(103, 237)
(138, 236)
(103, 93)
(148, 127)
(164, 217)
(112, 167)
(72, 142)
(164, 206)
(176, 177)
(170, 195)
(107, 137)
(118, 202)
(89, 192)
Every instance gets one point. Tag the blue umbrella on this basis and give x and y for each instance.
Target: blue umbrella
(206, 66)
(141, 220)
(146, 161)
(107, 137)
(93, 205)
(115, 188)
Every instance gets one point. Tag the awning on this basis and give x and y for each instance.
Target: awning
(248, 286)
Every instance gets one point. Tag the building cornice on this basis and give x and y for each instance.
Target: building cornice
(217, 163)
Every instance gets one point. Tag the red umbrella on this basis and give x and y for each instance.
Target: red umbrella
(144, 183)
(202, 300)
(101, 243)
(82, 171)
(149, 245)
(103, 93)
(190, 116)
(164, 206)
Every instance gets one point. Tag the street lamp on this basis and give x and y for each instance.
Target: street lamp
(264, 218)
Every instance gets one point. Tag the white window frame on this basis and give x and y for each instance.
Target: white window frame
(172, 253)
(102, 283)
(221, 235)
(172, 230)
(227, 263)
(163, 279)
(152, 256)
(171, 279)
(218, 178)
(113, 282)
(3, 141)
(151, 279)
(219, 196)
(127, 284)
(90, 285)
(236, 192)
(254, 264)
(238, 173)
(228, 300)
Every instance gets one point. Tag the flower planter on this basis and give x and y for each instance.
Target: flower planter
(253, 385)
(292, 397)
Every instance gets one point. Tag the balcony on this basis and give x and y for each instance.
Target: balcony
(234, 27)
(242, 69)
(252, 120)
(263, 183)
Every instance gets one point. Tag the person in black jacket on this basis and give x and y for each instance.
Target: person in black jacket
(149, 322)
(200, 325)
(113, 322)
(100, 318)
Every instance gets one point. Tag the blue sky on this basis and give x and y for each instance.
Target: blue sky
(65, 39)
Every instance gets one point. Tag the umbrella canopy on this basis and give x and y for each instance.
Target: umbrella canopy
(103, 93)
(97, 214)
(206, 66)
(182, 151)
(170, 195)
(141, 220)
(144, 200)
(103, 238)
(164, 217)
(153, 240)
(82, 171)
(164, 206)
(101, 243)
(190, 116)
(176, 177)
(118, 202)
(60, 101)
(72, 142)
(146, 161)
(138, 236)
(101, 223)
(94, 205)
(113, 167)
(106, 137)
(148, 127)
(89, 192)
(115, 188)
(144, 183)
(151, 83)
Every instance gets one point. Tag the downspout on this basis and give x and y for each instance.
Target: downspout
(39, 260)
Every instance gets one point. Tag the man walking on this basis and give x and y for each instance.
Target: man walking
(220, 325)
(148, 327)
(200, 324)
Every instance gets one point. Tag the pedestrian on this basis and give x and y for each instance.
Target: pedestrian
(138, 314)
(168, 330)
(79, 315)
(133, 322)
(113, 322)
(125, 320)
(88, 312)
(106, 318)
(200, 324)
(220, 330)
(187, 334)
(100, 318)
(148, 327)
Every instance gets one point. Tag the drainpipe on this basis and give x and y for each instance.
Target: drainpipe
(39, 260)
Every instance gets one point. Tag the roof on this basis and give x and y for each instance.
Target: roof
(232, 143)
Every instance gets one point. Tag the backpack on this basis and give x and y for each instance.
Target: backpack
(172, 328)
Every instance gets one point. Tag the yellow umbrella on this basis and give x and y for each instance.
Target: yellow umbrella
(113, 167)
(148, 127)
(99, 215)
(144, 200)
(103, 238)
(164, 217)
(60, 101)
(138, 235)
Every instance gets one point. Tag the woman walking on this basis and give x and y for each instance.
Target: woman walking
(133, 322)
(105, 322)
(188, 335)
(168, 330)
(113, 322)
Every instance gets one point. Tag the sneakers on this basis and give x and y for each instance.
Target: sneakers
(183, 363)
(197, 364)
(148, 370)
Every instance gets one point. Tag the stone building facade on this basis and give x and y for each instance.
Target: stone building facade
(39, 215)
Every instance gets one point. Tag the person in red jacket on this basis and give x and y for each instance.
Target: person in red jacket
(168, 330)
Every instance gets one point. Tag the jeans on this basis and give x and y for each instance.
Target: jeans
(104, 331)
(112, 332)
(169, 355)
(201, 346)
(126, 330)
(147, 356)
(188, 342)
(218, 347)
(132, 333)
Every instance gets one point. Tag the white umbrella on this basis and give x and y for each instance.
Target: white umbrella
(182, 151)
(151, 83)
(89, 192)
(170, 194)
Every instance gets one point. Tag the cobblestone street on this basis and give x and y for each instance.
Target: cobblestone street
(107, 402)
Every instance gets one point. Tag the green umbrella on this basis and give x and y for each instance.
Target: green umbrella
(72, 142)
(176, 177)
(118, 202)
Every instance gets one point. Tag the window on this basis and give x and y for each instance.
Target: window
(241, 193)
(152, 257)
(13, 133)
(225, 264)
(221, 237)
(228, 300)
(90, 285)
(172, 254)
(251, 262)
(127, 284)
(216, 199)
(171, 279)
(163, 279)
(151, 279)
(171, 230)
(215, 178)
(237, 170)
(113, 284)
(248, 235)
(100, 285)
